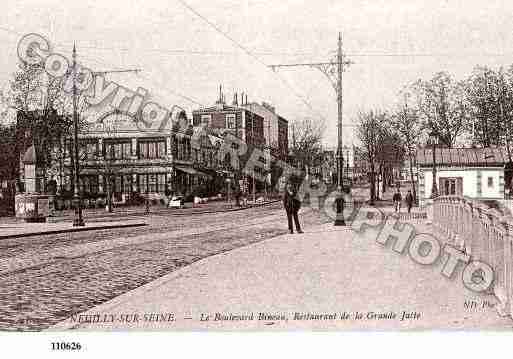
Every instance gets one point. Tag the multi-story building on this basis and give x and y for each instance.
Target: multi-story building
(116, 150)
(239, 121)
(275, 128)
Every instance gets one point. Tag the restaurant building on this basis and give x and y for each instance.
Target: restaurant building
(135, 159)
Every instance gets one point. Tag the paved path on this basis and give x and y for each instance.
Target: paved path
(327, 271)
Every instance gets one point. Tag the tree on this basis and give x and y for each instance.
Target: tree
(407, 124)
(9, 162)
(369, 131)
(43, 108)
(442, 106)
(110, 126)
(306, 142)
(483, 93)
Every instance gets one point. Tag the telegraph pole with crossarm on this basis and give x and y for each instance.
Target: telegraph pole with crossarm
(333, 70)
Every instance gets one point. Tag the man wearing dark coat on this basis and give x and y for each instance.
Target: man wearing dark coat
(292, 205)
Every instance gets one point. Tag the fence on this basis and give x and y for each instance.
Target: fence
(485, 234)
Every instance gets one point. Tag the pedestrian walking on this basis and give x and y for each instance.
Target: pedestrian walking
(409, 200)
(397, 198)
(292, 206)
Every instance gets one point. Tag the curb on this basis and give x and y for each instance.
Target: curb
(73, 229)
(167, 211)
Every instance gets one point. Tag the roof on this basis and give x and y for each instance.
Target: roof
(217, 109)
(463, 157)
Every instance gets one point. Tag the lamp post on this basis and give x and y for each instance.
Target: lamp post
(78, 220)
(433, 138)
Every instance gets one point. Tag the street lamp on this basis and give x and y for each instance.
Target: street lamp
(78, 220)
(433, 138)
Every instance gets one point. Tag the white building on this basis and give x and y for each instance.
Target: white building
(477, 173)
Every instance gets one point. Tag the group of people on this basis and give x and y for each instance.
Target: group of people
(397, 198)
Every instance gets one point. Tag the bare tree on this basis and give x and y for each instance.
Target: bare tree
(369, 131)
(408, 126)
(306, 142)
(110, 127)
(390, 152)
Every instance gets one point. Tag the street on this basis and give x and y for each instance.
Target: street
(45, 279)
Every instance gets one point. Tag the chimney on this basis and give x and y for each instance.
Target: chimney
(246, 99)
(235, 100)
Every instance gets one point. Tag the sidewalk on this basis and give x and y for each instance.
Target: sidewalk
(326, 271)
(17, 229)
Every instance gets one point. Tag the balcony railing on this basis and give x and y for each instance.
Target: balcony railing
(483, 233)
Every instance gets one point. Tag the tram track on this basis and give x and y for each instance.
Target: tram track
(37, 295)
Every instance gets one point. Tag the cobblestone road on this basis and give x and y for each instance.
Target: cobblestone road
(45, 279)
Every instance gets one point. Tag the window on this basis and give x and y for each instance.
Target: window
(127, 184)
(152, 183)
(161, 149)
(127, 150)
(91, 149)
(451, 186)
(118, 150)
(161, 179)
(230, 121)
(117, 185)
(490, 182)
(205, 119)
(152, 149)
(143, 183)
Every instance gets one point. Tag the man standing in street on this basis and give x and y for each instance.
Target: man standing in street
(397, 198)
(409, 200)
(292, 205)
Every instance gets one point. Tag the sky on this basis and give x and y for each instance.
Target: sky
(187, 48)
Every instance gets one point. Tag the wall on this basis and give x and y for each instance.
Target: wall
(475, 181)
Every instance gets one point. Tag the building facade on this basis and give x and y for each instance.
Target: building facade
(239, 121)
(476, 173)
(120, 156)
(276, 128)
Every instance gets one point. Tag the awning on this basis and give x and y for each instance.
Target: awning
(193, 171)
(188, 170)
(126, 170)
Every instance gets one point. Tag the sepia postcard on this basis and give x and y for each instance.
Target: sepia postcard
(255, 165)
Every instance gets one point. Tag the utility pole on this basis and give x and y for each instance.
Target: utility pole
(340, 159)
(78, 220)
(333, 70)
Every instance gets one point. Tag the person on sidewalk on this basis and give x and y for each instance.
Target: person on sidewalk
(397, 198)
(409, 200)
(292, 205)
